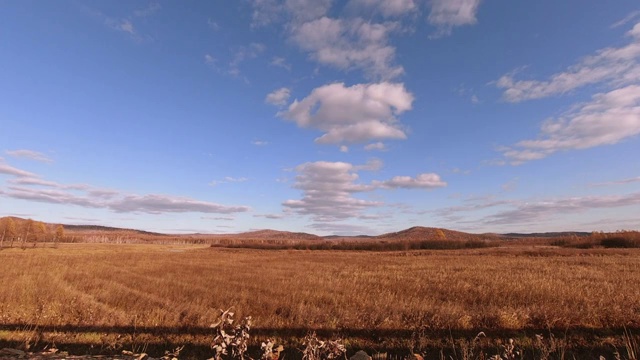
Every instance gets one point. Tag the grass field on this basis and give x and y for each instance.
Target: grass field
(108, 297)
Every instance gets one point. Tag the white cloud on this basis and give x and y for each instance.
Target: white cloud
(151, 203)
(371, 165)
(34, 180)
(422, 181)
(157, 204)
(126, 26)
(471, 204)
(213, 25)
(266, 12)
(350, 44)
(632, 16)
(148, 11)
(607, 119)
(29, 154)
(352, 114)
(270, 216)
(375, 146)
(218, 218)
(228, 179)
(305, 10)
(342, 228)
(329, 188)
(387, 8)
(344, 148)
(209, 59)
(92, 197)
(447, 14)
(10, 170)
(475, 99)
(278, 97)
(260, 142)
(244, 53)
(531, 212)
(519, 212)
(280, 62)
(618, 182)
(615, 66)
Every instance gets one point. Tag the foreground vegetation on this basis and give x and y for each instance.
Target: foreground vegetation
(111, 297)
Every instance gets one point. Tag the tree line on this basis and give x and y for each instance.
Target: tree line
(21, 232)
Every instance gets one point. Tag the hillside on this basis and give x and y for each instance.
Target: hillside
(273, 235)
(412, 234)
(419, 233)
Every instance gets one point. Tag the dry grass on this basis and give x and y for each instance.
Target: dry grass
(158, 292)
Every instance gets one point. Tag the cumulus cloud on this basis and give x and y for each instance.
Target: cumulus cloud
(350, 44)
(447, 14)
(278, 97)
(615, 66)
(29, 154)
(353, 114)
(607, 119)
(329, 189)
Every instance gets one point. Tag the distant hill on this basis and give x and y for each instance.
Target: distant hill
(99, 228)
(547, 234)
(274, 235)
(418, 233)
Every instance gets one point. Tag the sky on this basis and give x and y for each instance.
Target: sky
(322, 116)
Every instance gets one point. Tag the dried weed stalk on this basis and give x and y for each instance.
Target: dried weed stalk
(316, 349)
(229, 336)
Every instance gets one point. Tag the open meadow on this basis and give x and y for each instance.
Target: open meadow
(106, 297)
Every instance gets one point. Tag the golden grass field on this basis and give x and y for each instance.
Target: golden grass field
(109, 297)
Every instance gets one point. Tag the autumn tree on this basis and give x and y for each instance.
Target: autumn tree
(8, 231)
(11, 230)
(440, 235)
(27, 230)
(59, 235)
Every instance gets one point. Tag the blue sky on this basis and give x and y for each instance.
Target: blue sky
(324, 116)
